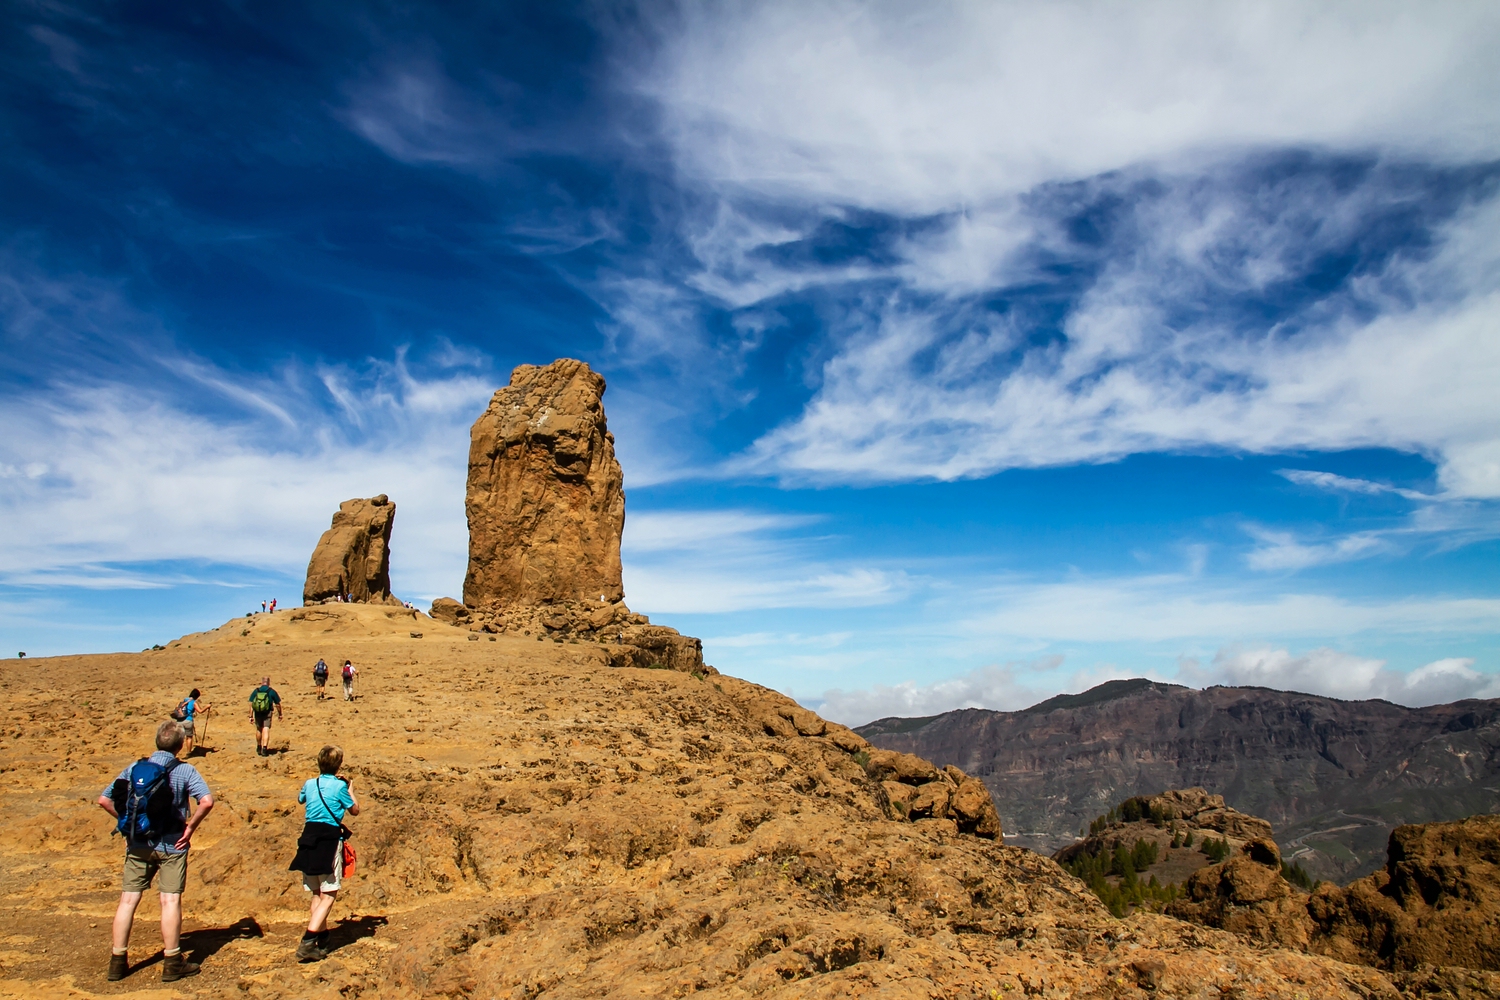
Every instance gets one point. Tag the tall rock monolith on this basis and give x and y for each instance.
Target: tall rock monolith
(353, 558)
(546, 498)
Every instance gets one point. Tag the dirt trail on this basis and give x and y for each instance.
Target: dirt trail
(538, 824)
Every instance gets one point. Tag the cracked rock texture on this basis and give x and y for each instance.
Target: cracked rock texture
(545, 497)
(353, 557)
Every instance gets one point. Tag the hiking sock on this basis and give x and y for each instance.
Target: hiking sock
(174, 951)
(309, 935)
(323, 939)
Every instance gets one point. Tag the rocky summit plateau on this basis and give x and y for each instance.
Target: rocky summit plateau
(1334, 777)
(562, 800)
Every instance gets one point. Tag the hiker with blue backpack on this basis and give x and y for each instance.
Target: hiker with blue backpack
(149, 801)
(320, 676)
(185, 713)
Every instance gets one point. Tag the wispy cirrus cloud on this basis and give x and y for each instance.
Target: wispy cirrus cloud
(1050, 234)
(694, 562)
(1335, 483)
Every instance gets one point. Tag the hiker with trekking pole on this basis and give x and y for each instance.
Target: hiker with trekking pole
(149, 802)
(186, 714)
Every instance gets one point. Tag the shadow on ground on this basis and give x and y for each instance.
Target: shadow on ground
(352, 929)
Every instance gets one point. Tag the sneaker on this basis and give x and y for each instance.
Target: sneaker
(175, 967)
(308, 951)
(119, 968)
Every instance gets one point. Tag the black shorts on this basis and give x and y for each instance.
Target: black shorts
(262, 720)
(320, 681)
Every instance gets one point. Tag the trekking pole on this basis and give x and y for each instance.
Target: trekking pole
(205, 726)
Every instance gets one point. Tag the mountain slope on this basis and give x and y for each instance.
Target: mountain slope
(1333, 777)
(537, 823)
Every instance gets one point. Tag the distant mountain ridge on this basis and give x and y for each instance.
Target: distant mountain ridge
(1333, 777)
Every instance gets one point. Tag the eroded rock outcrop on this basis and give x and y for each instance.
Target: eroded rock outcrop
(545, 499)
(353, 558)
(1248, 895)
(1436, 903)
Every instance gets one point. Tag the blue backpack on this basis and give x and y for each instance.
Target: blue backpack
(144, 800)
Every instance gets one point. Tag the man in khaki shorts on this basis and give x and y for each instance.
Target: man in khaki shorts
(149, 801)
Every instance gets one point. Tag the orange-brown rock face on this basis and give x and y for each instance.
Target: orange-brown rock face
(353, 558)
(546, 499)
(1436, 903)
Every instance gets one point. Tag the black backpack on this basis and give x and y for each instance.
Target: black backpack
(320, 670)
(147, 809)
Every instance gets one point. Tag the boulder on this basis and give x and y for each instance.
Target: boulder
(931, 801)
(446, 609)
(1249, 897)
(974, 809)
(353, 558)
(898, 798)
(545, 497)
(846, 739)
(889, 765)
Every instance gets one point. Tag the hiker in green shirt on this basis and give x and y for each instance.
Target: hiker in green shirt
(262, 700)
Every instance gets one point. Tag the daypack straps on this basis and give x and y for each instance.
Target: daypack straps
(138, 804)
(344, 832)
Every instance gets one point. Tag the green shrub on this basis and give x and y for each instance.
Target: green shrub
(1297, 875)
(1217, 850)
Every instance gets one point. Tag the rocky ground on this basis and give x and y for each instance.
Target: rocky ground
(539, 823)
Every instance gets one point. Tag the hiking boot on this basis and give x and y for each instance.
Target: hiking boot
(308, 951)
(119, 968)
(175, 967)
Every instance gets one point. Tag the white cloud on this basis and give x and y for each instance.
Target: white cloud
(1335, 483)
(1001, 688)
(902, 399)
(1013, 686)
(1280, 550)
(413, 112)
(736, 560)
(1166, 608)
(1337, 674)
(785, 116)
(132, 478)
(919, 109)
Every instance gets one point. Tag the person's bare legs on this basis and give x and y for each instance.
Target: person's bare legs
(265, 738)
(322, 905)
(171, 920)
(124, 920)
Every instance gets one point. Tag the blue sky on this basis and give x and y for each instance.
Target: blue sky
(957, 355)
